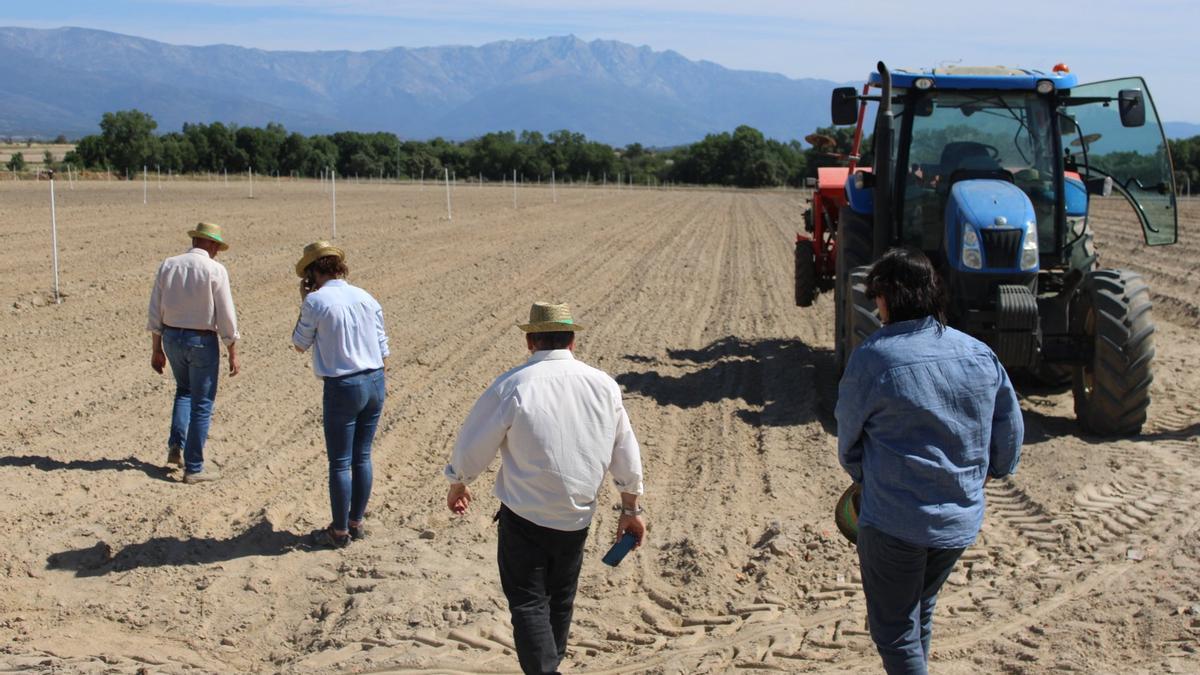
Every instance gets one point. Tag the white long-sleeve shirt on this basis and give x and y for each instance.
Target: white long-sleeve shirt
(344, 326)
(192, 291)
(559, 426)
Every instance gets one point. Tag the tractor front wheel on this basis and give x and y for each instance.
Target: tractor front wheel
(1112, 388)
(806, 273)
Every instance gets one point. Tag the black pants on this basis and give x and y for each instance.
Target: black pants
(539, 570)
(901, 582)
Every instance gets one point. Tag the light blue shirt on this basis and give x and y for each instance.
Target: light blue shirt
(344, 326)
(924, 415)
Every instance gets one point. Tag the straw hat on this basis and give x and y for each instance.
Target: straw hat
(547, 318)
(845, 513)
(315, 251)
(209, 231)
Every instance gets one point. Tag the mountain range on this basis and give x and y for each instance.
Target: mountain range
(61, 81)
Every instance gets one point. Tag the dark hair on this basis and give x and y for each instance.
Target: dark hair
(330, 265)
(909, 285)
(559, 339)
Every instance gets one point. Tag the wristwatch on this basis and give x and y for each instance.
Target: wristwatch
(636, 511)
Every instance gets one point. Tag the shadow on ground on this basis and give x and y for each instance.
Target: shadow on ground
(124, 464)
(783, 382)
(99, 559)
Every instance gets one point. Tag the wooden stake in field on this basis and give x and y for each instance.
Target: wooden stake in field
(514, 188)
(225, 173)
(553, 190)
(143, 184)
(158, 172)
(54, 240)
(333, 192)
(250, 172)
(449, 215)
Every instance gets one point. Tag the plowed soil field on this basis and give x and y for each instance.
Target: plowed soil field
(1088, 561)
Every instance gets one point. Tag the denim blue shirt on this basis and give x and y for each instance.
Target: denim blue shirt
(924, 414)
(344, 326)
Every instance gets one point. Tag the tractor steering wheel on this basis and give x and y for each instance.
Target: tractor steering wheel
(992, 151)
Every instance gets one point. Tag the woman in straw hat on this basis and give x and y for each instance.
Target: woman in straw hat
(343, 325)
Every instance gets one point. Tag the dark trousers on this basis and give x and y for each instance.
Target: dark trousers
(901, 583)
(539, 571)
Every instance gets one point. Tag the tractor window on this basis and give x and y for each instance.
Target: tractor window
(968, 135)
(1135, 158)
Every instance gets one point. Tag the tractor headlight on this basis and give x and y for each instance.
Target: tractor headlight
(923, 83)
(1045, 86)
(971, 256)
(1029, 251)
(970, 239)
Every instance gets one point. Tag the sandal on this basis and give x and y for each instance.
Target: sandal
(327, 538)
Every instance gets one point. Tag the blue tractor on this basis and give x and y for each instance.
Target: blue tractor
(991, 172)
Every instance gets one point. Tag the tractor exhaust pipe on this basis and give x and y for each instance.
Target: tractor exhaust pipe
(884, 132)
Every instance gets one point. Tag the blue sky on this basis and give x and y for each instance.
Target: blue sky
(838, 40)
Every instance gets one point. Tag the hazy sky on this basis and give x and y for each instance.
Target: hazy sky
(1098, 39)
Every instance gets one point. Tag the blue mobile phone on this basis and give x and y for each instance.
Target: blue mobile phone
(618, 551)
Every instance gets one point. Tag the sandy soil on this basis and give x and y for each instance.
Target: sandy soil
(1088, 560)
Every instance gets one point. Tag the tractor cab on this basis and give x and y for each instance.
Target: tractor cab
(992, 172)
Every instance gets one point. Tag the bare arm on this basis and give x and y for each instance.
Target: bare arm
(158, 358)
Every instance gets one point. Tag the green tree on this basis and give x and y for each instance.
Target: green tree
(129, 140)
(16, 162)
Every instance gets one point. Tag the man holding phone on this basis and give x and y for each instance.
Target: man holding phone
(559, 426)
(190, 315)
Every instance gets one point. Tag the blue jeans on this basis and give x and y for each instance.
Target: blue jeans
(901, 582)
(195, 358)
(352, 404)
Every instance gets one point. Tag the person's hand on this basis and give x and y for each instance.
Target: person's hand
(158, 360)
(633, 525)
(303, 289)
(458, 498)
(235, 366)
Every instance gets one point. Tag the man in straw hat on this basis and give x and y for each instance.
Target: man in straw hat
(559, 426)
(343, 325)
(191, 308)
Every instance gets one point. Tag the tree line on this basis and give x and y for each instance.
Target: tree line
(128, 141)
(744, 157)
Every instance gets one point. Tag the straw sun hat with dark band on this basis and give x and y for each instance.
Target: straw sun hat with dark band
(210, 231)
(316, 251)
(548, 318)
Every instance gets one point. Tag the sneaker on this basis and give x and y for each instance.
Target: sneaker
(326, 538)
(175, 456)
(357, 532)
(200, 477)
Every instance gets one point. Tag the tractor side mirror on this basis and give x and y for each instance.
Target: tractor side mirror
(1067, 125)
(1101, 187)
(843, 107)
(1132, 104)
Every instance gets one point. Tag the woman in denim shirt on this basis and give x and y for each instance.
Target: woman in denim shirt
(926, 414)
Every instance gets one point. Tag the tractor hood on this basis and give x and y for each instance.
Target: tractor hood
(992, 227)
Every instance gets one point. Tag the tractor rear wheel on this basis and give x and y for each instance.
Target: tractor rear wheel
(806, 273)
(862, 316)
(1112, 388)
(853, 250)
